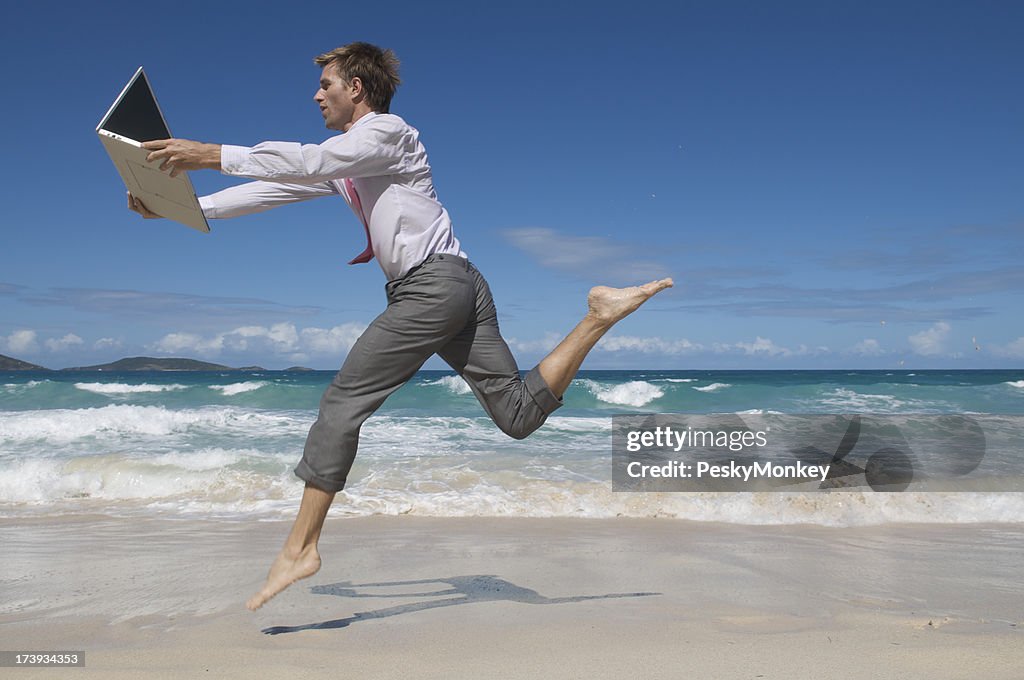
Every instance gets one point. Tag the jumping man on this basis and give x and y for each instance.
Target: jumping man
(438, 303)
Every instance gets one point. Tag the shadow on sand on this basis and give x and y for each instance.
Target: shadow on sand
(465, 589)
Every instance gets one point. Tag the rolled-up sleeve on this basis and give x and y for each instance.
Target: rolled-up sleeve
(373, 149)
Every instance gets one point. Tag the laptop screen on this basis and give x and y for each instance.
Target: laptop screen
(137, 115)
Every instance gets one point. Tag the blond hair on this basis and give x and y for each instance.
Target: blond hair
(375, 67)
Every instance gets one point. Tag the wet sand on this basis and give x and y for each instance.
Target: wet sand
(412, 597)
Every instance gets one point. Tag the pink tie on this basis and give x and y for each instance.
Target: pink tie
(367, 254)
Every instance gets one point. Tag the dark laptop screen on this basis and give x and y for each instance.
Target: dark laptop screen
(137, 116)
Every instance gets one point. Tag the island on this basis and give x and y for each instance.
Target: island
(138, 364)
(154, 364)
(11, 364)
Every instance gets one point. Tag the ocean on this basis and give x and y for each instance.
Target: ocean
(222, 445)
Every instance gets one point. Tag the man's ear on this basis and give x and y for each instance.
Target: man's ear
(357, 88)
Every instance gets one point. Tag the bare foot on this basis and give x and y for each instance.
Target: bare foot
(609, 305)
(286, 570)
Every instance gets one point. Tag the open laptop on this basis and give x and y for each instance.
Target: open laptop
(133, 118)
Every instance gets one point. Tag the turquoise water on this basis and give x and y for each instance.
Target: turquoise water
(223, 445)
(594, 393)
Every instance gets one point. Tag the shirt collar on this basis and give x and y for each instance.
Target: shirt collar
(367, 117)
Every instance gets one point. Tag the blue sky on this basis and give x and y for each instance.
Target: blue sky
(830, 184)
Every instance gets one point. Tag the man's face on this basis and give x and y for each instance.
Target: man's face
(335, 100)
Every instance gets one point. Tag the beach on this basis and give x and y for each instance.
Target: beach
(139, 511)
(427, 597)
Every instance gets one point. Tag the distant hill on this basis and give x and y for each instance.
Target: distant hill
(298, 368)
(154, 364)
(10, 364)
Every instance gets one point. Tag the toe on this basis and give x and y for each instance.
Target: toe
(657, 286)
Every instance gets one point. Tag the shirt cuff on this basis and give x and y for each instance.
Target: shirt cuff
(208, 207)
(233, 158)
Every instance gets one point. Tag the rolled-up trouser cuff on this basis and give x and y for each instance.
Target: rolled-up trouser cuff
(305, 473)
(541, 393)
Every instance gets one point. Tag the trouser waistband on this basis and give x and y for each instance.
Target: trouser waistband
(443, 257)
(436, 257)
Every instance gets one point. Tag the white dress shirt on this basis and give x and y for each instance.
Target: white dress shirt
(387, 164)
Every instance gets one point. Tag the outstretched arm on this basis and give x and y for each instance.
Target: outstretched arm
(381, 146)
(179, 155)
(183, 154)
(248, 198)
(254, 197)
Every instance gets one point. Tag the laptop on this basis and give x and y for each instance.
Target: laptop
(134, 118)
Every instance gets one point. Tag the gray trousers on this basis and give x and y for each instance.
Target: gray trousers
(443, 306)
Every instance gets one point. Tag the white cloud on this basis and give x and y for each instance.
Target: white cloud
(561, 251)
(930, 342)
(543, 345)
(615, 343)
(767, 347)
(868, 347)
(331, 340)
(20, 342)
(178, 343)
(1013, 350)
(652, 345)
(764, 346)
(665, 346)
(63, 344)
(281, 339)
(107, 343)
(615, 261)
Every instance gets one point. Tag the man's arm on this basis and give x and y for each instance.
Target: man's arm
(360, 152)
(254, 197)
(183, 154)
(179, 155)
(246, 199)
(380, 147)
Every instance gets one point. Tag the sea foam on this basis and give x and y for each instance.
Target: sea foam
(68, 425)
(442, 467)
(633, 393)
(713, 387)
(121, 388)
(845, 400)
(453, 383)
(188, 453)
(239, 388)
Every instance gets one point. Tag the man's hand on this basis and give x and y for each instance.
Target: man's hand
(182, 154)
(135, 205)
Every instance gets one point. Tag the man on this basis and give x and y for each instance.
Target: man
(437, 301)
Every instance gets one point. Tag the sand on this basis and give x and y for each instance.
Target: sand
(410, 597)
